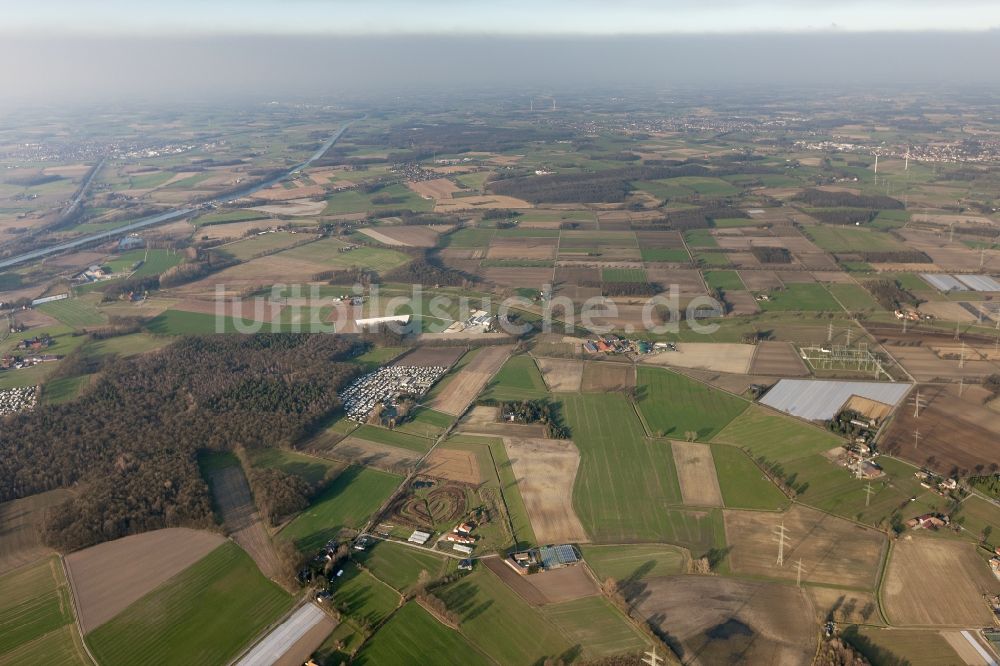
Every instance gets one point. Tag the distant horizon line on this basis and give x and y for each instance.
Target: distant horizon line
(356, 34)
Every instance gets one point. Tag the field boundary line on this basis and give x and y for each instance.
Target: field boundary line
(76, 608)
(266, 631)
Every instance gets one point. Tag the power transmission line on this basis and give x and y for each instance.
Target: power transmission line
(780, 532)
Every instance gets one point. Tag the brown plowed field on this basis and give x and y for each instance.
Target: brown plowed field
(728, 357)
(545, 470)
(937, 582)
(833, 550)
(547, 587)
(761, 280)
(778, 358)
(373, 454)
(241, 520)
(696, 474)
(439, 188)
(954, 432)
(108, 577)
(453, 465)
(741, 303)
(600, 377)
(530, 278)
(561, 374)
(717, 620)
(470, 380)
(523, 248)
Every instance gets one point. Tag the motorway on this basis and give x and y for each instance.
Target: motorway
(168, 215)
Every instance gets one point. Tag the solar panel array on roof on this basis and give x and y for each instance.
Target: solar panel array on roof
(820, 400)
(979, 282)
(943, 282)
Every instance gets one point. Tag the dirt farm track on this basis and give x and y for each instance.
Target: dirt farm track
(108, 577)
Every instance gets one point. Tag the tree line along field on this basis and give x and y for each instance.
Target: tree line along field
(205, 614)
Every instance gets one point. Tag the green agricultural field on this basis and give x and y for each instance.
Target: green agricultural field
(413, 636)
(724, 280)
(62, 646)
(393, 197)
(743, 484)
(362, 597)
(125, 345)
(426, 422)
(635, 561)
(501, 624)
(149, 180)
(518, 232)
(518, 379)
(801, 297)
(851, 239)
(623, 275)
(206, 614)
(399, 565)
(888, 646)
(712, 259)
(379, 355)
(181, 322)
(468, 238)
(662, 189)
(74, 312)
(671, 404)
(328, 254)
(255, 246)
(152, 262)
(700, 238)
(597, 626)
(62, 390)
(346, 503)
(672, 255)
(310, 469)
(853, 297)
(34, 601)
(394, 438)
(620, 469)
(776, 437)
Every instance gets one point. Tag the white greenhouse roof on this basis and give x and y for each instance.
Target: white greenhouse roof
(820, 400)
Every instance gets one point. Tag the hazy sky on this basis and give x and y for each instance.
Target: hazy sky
(55, 50)
(591, 17)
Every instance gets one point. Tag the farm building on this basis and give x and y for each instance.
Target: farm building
(822, 400)
(398, 320)
(419, 537)
(545, 558)
(946, 283)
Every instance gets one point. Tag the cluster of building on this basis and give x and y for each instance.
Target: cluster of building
(912, 315)
(928, 521)
(386, 386)
(461, 537)
(94, 273)
(480, 321)
(15, 362)
(935, 482)
(544, 558)
(14, 400)
(959, 151)
(614, 344)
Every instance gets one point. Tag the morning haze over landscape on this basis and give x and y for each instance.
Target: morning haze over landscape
(524, 333)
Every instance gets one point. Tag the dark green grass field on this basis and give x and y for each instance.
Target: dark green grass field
(743, 484)
(399, 565)
(801, 297)
(362, 597)
(501, 624)
(635, 562)
(204, 615)
(621, 470)
(518, 379)
(672, 255)
(725, 280)
(393, 438)
(672, 404)
(347, 502)
(426, 422)
(597, 626)
(623, 275)
(413, 636)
